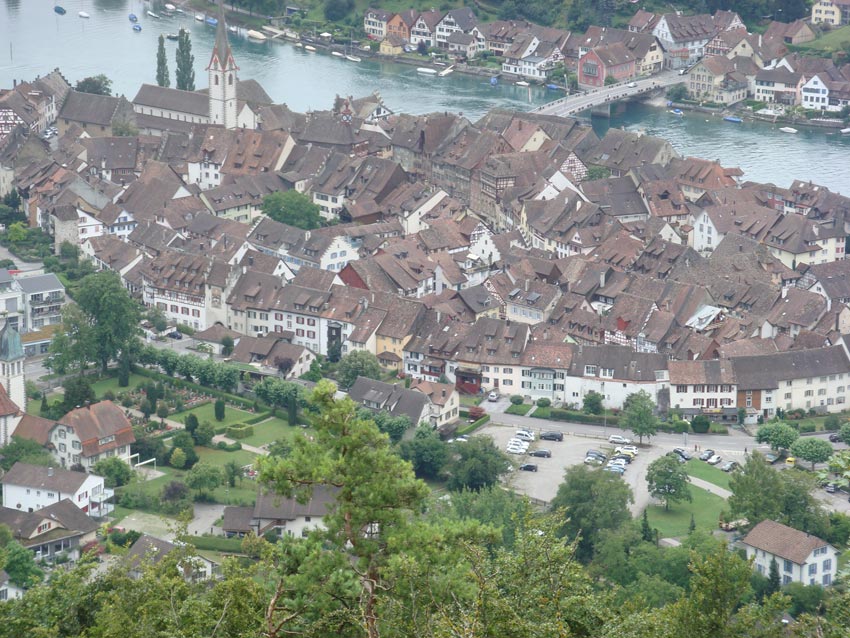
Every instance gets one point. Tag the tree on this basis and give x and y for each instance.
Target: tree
(749, 487)
(20, 565)
(191, 423)
(359, 363)
(124, 370)
(336, 10)
(218, 409)
(112, 315)
(638, 416)
(204, 477)
(227, 345)
(334, 352)
(812, 450)
(72, 344)
(598, 172)
(426, 453)
(96, 84)
(204, 433)
(124, 128)
(594, 502)
(25, 451)
(646, 533)
(844, 433)
(162, 78)
(114, 471)
(773, 578)
(232, 472)
(292, 208)
(780, 436)
(78, 393)
(700, 424)
(184, 76)
(592, 403)
(393, 426)
(162, 411)
(475, 464)
(668, 481)
(177, 458)
(677, 93)
(609, 80)
(146, 408)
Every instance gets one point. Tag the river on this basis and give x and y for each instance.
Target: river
(34, 40)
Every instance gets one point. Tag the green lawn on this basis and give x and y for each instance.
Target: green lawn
(220, 458)
(705, 507)
(468, 400)
(206, 412)
(111, 383)
(521, 409)
(271, 430)
(706, 472)
(832, 41)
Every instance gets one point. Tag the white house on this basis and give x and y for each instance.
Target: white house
(800, 557)
(8, 589)
(32, 487)
(704, 387)
(822, 94)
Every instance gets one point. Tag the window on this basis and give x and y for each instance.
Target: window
(813, 569)
(827, 579)
(590, 371)
(788, 566)
(681, 389)
(827, 565)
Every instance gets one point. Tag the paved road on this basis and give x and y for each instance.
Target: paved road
(22, 265)
(578, 102)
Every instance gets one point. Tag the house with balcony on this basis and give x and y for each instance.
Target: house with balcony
(58, 530)
(800, 557)
(443, 398)
(43, 299)
(531, 57)
(400, 24)
(822, 92)
(30, 488)
(425, 28)
(461, 20)
(704, 388)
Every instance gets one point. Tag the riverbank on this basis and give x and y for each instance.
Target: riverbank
(746, 114)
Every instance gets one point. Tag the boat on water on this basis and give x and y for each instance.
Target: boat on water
(426, 71)
(133, 18)
(137, 27)
(60, 10)
(199, 17)
(153, 15)
(310, 48)
(233, 29)
(337, 54)
(554, 87)
(788, 129)
(494, 81)
(677, 112)
(733, 119)
(845, 131)
(353, 58)
(172, 36)
(170, 7)
(298, 45)
(521, 83)
(256, 35)
(83, 14)
(213, 22)
(447, 71)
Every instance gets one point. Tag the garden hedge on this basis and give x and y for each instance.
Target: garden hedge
(240, 431)
(216, 543)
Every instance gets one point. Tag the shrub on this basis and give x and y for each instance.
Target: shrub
(543, 402)
(516, 399)
(216, 543)
(832, 423)
(676, 426)
(805, 428)
(700, 424)
(718, 428)
(241, 431)
(557, 414)
(229, 447)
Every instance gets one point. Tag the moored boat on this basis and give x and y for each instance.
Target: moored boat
(133, 18)
(83, 14)
(734, 119)
(845, 131)
(153, 15)
(172, 36)
(554, 87)
(788, 129)
(199, 17)
(677, 112)
(337, 54)
(256, 35)
(521, 83)
(60, 10)
(310, 48)
(426, 71)
(213, 22)
(353, 58)
(170, 7)
(137, 27)
(233, 29)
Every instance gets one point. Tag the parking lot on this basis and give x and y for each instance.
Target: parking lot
(542, 485)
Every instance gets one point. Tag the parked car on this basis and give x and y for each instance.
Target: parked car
(791, 461)
(619, 440)
(625, 451)
(525, 435)
(628, 449)
(593, 460)
(619, 469)
(596, 453)
(830, 487)
(528, 467)
(707, 454)
(731, 466)
(632, 85)
(542, 454)
(616, 461)
(772, 458)
(552, 436)
(520, 442)
(515, 450)
(835, 437)
(175, 334)
(622, 457)
(493, 396)
(683, 453)
(714, 460)
(673, 455)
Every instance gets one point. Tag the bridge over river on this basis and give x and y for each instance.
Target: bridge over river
(603, 97)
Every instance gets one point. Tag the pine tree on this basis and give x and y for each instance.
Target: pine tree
(162, 78)
(645, 530)
(693, 525)
(185, 74)
(773, 578)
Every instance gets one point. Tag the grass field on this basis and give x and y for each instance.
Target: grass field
(521, 409)
(830, 42)
(271, 430)
(111, 383)
(206, 412)
(705, 507)
(706, 472)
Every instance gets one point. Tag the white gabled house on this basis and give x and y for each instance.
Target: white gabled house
(800, 557)
(30, 488)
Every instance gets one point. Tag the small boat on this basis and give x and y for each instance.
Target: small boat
(788, 129)
(447, 71)
(153, 15)
(337, 54)
(172, 36)
(521, 83)
(256, 35)
(233, 29)
(298, 45)
(170, 7)
(845, 131)
(426, 71)
(678, 112)
(353, 58)
(494, 81)
(137, 27)
(733, 119)
(213, 22)
(310, 48)
(199, 17)
(83, 14)
(178, 10)
(60, 10)
(133, 18)
(554, 87)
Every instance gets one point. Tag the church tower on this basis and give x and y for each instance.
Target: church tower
(11, 382)
(222, 75)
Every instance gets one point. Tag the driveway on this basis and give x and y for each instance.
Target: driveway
(206, 514)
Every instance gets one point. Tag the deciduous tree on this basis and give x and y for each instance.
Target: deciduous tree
(359, 363)
(184, 76)
(162, 78)
(668, 481)
(204, 477)
(292, 208)
(114, 471)
(780, 436)
(639, 416)
(812, 450)
(475, 464)
(97, 84)
(592, 403)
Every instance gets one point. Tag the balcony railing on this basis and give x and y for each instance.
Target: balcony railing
(37, 303)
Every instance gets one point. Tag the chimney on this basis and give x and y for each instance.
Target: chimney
(444, 392)
(602, 279)
(250, 260)
(784, 292)
(526, 285)
(49, 471)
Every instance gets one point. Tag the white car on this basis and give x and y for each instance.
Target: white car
(518, 443)
(515, 450)
(616, 439)
(627, 449)
(493, 396)
(525, 435)
(632, 85)
(714, 460)
(619, 462)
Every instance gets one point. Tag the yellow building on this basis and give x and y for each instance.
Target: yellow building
(833, 12)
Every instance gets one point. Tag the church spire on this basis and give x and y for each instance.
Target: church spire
(222, 77)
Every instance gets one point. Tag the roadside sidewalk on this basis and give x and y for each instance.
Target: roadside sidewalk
(710, 487)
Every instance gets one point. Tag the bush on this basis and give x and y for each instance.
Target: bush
(718, 428)
(832, 423)
(676, 426)
(473, 426)
(700, 424)
(216, 543)
(229, 447)
(543, 402)
(516, 399)
(241, 431)
(806, 428)
(124, 539)
(559, 414)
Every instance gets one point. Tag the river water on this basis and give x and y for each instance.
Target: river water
(34, 40)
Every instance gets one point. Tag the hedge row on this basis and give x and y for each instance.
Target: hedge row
(580, 417)
(235, 399)
(473, 426)
(239, 431)
(257, 419)
(229, 447)
(216, 543)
